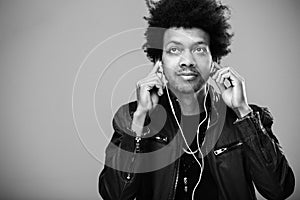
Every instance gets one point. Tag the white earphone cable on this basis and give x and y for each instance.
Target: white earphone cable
(190, 151)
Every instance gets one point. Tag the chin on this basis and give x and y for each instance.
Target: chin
(187, 88)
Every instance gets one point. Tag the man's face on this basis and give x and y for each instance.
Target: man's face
(186, 59)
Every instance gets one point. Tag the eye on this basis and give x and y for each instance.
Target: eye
(174, 50)
(200, 50)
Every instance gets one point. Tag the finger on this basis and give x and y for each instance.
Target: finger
(216, 70)
(161, 84)
(156, 67)
(150, 85)
(159, 74)
(217, 74)
(162, 78)
(232, 79)
(226, 80)
(159, 69)
(221, 72)
(214, 74)
(212, 69)
(153, 77)
(218, 66)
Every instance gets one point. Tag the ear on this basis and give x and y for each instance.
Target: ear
(151, 4)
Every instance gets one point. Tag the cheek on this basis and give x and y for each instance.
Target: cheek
(170, 63)
(204, 66)
(170, 59)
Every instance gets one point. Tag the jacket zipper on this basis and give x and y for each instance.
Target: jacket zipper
(136, 150)
(128, 177)
(228, 148)
(176, 181)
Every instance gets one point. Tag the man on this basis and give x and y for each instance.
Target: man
(182, 139)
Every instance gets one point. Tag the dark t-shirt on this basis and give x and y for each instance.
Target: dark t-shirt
(189, 170)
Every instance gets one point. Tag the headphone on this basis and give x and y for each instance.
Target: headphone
(181, 131)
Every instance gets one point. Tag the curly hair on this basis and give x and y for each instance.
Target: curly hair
(209, 15)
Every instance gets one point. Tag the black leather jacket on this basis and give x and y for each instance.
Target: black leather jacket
(241, 154)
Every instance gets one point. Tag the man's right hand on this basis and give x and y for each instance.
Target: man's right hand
(147, 94)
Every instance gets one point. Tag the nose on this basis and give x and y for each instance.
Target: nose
(187, 60)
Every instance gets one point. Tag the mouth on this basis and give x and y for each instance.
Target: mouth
(188, 76)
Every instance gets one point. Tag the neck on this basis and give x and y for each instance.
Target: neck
(192, 103)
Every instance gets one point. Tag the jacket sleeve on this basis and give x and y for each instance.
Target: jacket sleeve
(269, 169)
(118, 179)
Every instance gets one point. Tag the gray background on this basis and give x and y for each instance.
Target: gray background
(43, 44)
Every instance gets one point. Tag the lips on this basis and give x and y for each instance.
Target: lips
(188, 75)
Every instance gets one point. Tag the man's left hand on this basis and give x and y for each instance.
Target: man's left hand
(232, 87)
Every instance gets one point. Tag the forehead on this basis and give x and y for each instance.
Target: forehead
(185, 36)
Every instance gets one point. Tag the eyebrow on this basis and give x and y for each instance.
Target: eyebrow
(179, 43)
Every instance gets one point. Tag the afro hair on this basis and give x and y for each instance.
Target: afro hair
(208, 15)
